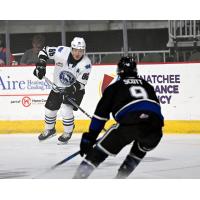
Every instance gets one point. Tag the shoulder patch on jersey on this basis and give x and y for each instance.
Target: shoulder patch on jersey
(60, 49)
(87, 66)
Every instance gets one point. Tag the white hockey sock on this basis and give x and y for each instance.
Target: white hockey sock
(68, 118)
(68, 125)
(50, 118)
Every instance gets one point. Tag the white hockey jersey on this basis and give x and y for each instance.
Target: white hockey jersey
(65, 75)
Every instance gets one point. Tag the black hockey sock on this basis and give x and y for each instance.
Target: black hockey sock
(84, 170)
(129, 164)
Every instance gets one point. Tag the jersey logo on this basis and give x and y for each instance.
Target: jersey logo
(67, 78)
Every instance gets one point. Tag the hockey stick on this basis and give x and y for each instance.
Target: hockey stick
(67, 159)
(61, 162)
(57, 164)
(53, 85)
(74, 154)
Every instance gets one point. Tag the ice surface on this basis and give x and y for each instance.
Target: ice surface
(22, 156)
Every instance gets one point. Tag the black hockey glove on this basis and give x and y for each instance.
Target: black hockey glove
(70, 91)
(87, 141)
(40, 69)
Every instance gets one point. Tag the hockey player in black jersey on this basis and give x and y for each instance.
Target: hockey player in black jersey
(136, 109)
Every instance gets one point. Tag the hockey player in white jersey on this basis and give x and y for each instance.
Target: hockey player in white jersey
(71, 73)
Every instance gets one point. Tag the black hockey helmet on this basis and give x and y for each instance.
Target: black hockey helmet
(127, 67)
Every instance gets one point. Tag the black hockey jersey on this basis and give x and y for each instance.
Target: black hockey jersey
(124, 96)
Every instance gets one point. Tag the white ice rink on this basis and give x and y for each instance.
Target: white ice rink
(23, 157)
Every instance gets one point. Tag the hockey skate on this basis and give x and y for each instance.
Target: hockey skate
(48, 133)
(64, 138)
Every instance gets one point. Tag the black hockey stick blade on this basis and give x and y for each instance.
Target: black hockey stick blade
(68, 158)
(65, 160)
(57, 165)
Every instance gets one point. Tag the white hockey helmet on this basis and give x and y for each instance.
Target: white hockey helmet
(78, 43)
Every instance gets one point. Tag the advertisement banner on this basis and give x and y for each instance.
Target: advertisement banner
(22, 95)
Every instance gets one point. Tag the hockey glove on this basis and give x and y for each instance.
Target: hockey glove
(40, 69)
(70, 91)
(87, 141)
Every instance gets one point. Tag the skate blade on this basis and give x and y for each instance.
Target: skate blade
(47, 138)
(62, 143)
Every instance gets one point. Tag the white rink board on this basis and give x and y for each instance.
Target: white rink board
(21, 100)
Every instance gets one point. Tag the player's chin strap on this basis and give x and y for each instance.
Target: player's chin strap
(55, 87)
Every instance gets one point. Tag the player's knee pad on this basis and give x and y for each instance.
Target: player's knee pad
(96, 156)
(145, 147)
(138, 150)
